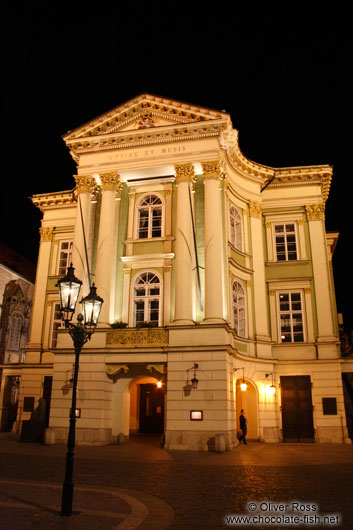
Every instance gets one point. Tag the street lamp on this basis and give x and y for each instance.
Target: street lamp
(69, 289)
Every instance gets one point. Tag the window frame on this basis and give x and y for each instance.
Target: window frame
(286, 243)
(14, 332)
(236, 232)
(54, 329)
(68, 252)
(150, 208)
(147, 299)
(292, 312)
(236, 307)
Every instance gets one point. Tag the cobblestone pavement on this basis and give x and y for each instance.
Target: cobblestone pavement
(139, 485)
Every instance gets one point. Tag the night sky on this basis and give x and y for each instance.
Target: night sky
(284, 79)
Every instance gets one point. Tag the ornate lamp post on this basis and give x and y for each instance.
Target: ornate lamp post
(69, 289)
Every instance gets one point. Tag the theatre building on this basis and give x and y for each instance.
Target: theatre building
(215, 272)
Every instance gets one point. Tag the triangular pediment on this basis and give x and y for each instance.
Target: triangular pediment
(144, 112)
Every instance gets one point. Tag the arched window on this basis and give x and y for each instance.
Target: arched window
(238, 306)
(146, 298)
(235, 228)
(149, 221)
(14, 333)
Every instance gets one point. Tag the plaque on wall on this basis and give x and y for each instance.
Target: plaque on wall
(329, 406)
(28, 404)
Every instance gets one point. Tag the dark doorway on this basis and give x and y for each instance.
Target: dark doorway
(10, 402)
(151, 409)
(47, 384)
(297, 409)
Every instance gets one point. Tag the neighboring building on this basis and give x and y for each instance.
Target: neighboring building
(16, 292)
(228, 263)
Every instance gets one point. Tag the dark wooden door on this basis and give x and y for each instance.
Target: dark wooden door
(151, 409)
(297, 409)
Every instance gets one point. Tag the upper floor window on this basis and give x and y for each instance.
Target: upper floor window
(149, 221)
(65, 257)
(235, 228)
(57, 324)
(238, 308)
(291, 317)
(15, 328)
(146, 298)
(286, 242)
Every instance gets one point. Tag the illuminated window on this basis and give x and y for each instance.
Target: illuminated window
(65, 257)
(286, 242)
(291, 317)
(14, 337)
(235, 228)
(238, 299)
(146, 299)
(149, 223)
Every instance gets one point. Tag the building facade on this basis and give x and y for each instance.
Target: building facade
(16, 293)
(211, 267)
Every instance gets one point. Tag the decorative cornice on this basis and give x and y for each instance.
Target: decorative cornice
(229, 142)
(184, 173)
(255, 209)
(212, 170)
(46, 201)
(124, 115)
(46, 234)
(144, 137)
(315, 212)
(85, 184)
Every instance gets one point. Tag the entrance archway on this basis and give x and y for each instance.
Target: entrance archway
(248, 401)
(138, 406)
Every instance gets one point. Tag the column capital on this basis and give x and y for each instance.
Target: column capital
(212, 170)
(184, 173)
(85, 183)
(111, 182)
(255, 209)
(46, 234)
(315, 212)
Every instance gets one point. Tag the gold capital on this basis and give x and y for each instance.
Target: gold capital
(46, 233)
(110, 181)
(211, 170)
(315, 212)
(85, 183)
(184, 173)
(255, 209)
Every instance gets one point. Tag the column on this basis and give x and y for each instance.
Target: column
(325, 310)
(85, 185)
(260, 295)
(106, 248)
(183, 247)
(39, 299)
(214, 280)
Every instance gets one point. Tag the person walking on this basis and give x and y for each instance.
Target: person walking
(243, 427)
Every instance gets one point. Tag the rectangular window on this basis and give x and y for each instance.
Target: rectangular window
(286, 242)
(291, 317)
(65, 257)
(57, 323)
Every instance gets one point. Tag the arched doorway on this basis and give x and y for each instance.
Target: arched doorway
(146, 406)
(248, 401)
(138, 406)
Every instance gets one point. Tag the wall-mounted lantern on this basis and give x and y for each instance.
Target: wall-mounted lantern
(243, 385)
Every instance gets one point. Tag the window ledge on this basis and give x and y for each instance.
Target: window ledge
(149, 239)
(287, 262)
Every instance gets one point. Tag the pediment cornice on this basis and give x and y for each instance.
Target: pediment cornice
(129, 115)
